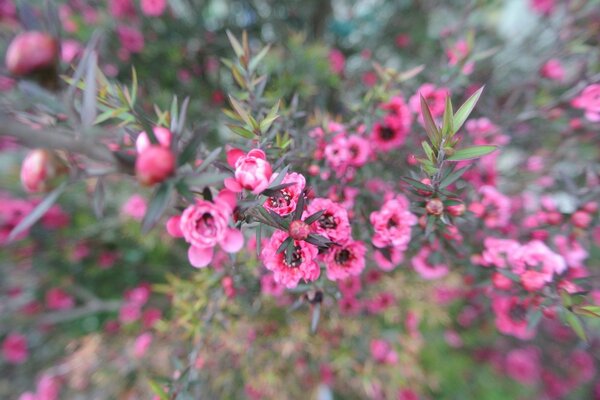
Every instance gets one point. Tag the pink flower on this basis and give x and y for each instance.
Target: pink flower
(392, 224)
(57, 299)
(142, 344)
(494, 207)
(333, 223)
(269, 287)
(14, 348)
(252, 171)
(536, 264)
(511, 317)
(163, 135)
(153, 8)
(553, 70)
(352, 286)
(337, 61)
(135, 207)
(391, 132)
(131, 38)
(284, 202)
(302, 265)
(570, 249)
(345, 260)
(121, 8)
(69, 50)
(426, 269)
(383, 352)
(349, 305)
(150, 317)
(459, 52)
(387, 259)
(543, 7)
(589, 100)
(496, 252)
(204, 225)
(582, 366)
(523, 365)
(380, 302)
(435, 98)
(129, 312)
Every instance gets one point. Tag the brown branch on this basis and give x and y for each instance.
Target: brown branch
(53, 138)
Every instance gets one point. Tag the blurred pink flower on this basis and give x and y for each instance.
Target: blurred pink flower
(153, 8)
(135, 207)
(14, 348)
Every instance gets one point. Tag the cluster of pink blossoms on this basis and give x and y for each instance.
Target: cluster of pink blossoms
(534, 265)
(204, 225)
(345, 257)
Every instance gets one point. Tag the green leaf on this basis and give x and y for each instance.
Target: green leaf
(284, 245)
(209, 159)
(453, 177)
(158, 390)
(575, 323)
(470, 153)
(174, 114)
(265, 124)
(509, 274)
(157, 206)
(235, 44)
(448, 123)
(465, 110)
(257, 58)
(588, 311)
(88, 108)
(430, 127)
(134, 85)
(428, 151)
(316, 315)
(189, 152)
(38, 212)
(416, 184)
(99, 198)
(240, 110)
(534, 319)
(243, 132)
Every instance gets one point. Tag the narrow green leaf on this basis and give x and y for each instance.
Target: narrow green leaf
(453, 177)
(174, 114)
(157, 206)
(470, 153)
(316, 316)
(575, 323)
(38, 212)
(158, 390)
(209, 159)
(465, 110)
(509, 274)
(88, 108)
(240, 110)
(534, 319)
(134, 86)
(428, 151)
(99, 198)
(243, 132)
(190, 150)
(257, 58)
(448, 124)
(235, 44)
(430, 127)
(284, 245)
(416, 184)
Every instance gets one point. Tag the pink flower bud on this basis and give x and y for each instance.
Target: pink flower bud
(434, 207)
(299, 230)
(40, 170)
(154, 165)
(30, 52)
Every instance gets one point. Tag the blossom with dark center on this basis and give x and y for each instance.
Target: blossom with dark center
(345, 260)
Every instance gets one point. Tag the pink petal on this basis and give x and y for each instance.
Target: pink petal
(233, 241)
(173, 226)
(232, 156)
(200, 257)
(228, 197)
(233, 185)
(257, 153)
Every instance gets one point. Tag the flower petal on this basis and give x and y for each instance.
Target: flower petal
(200, 257)
(233, 241)
(173, 226)
(233, 185)
(232, 156)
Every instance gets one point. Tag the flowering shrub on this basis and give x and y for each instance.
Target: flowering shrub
(335, 214)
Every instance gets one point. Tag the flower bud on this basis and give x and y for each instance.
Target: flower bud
(434, 207)
(581, 219)
(30, 52)
(154, 165)
(40, 171)
(299, 230)
(424, 192)
(456, 210)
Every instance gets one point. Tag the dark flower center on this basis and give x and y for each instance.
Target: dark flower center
(387, 133)
(343, 256)
(518, 312)
(296, 259)
(282, 198)
(392, 222)
(327, 221)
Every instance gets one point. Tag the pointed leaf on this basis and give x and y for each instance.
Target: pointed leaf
(453, 177)
(575, 323)
(38, 212)
(448, 124)
(430, 127)
(465, 110)
(235, 44)
(470, 153)
(157, 206)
